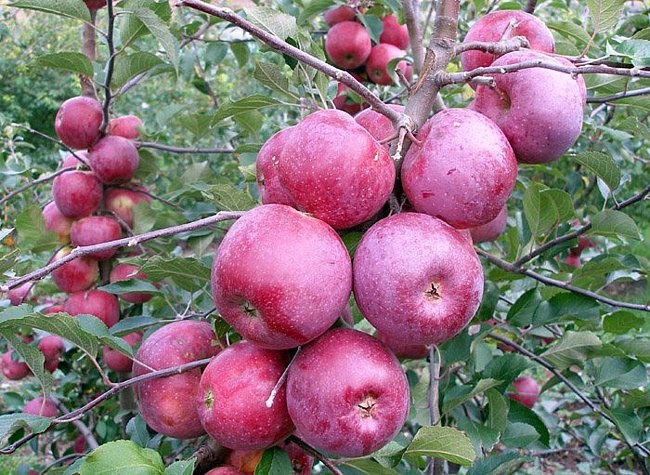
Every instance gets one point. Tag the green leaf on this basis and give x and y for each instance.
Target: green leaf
(506, 368)
(366, 467)
(635, 127)
(131, 285)
(227, 197)
(571, 30)
(621, 373)
(498, 410)
(636, 50)
(181, 467)
(67, 8)
(241, 52)
(444, 443)
(519, 435)
(604, 13)
(465, 395)
(520, 413)
(32, 233)
(128, 66)
(274, 461)
(373, 25)
(602, 165)
(614, 224)
(67, 61)
(628, 422)
(567, 306)
(315, 7)
(572, 348)
(8, 260)
(523, 311)
(10, 423)
(131, 324)
(272, 76)
(130, 27)
(638, 347)
(32, 356)
(250, 103)
(539, 209)
(121, 457)
(278, 23)
(198, 124)
(622, 322)
(505, 462)
(161, 31)
(190, 274)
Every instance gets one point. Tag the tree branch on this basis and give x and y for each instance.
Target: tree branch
(110, 64)
(498, 47)
(89, 49)
(620, 95)
(316, 454)
(38, 181)
(175, 149)
(411, 17)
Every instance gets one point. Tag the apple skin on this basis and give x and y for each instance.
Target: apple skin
(348, 44)
(338, 14)
(72, 161)
(56, 308)
(463, 182)
(417, 279)
(78, 121)
(329, 383)
(95, 230)
(403, 349)
(526, 391)
(95, 4)
(343, 103)
(504, 25)
(328, 166)
(377, 63)
(127, 126)
(539, 126)
(41, 407)
(232, 397)
(114, 160)
(116, 360)
(379, 126)
(255, 285)
(394, 33)
(19, 294)
(225, 470)
(57, 222)
(121, 201)
(13, 369)
(301, 462)
(492, 230)
(52, 347)
(166, 404)
(94, 302)
(573, 260)
(245, 460)
(76, 275)
(126, 272)
(79, 445)
(77, 193)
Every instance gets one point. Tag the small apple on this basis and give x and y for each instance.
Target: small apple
(12, 367)
(79, 445)
(96, 230)
(95, 4)
(116, 360)
(127, 126)
(338, 14)
(52, 347)
(18, 295)
(492, 230)
(57, 222)
(301, 461)
(394, 33)
(225, 470)
(378, 62)
(348, 44)
(94, 302)
(71, 160)
(573, 260)
(56, 308)
(343, 102)
(122, 200)
(78, 121)
(126, 272)
(526, 391)
(114, 159)
(41, 407)
(76, 275)
(379, 126)
(77, 193)
(245, 460)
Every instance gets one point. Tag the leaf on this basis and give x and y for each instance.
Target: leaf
(131, 324)
(627, 421)
(188, 273)
(130, 27)
(366, 467)
(32, 232)
(67, 61)
(272, 76)
(506, 368)
(566, 306)
(161, 31)
(498, 410)
(622, 322)
(120, 457)
(571, 30)
(373, 25)
(539, 209)
(315, 7)
(228, 197)
(519, 435)
(250, 103)
(278, 23)
(504, 462)
(520, 413)
(639, 348)
(7, 261)
(131, 285)
(129, 66)
(274, 461)
(572, 348)
(562, 203)
(198, 124)
(241, 52)
(636, 50)
(67, 8)
(465, 395)
(621, 373)
(10, 423)
(605, 13)
(635, 127)
(602, 165)
(523, 311)
(32, 356)
(444, 443)
(181, 467)
(614, 224)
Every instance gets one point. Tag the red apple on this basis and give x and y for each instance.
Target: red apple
(116, 360)
(526, 391)
(121, 202)
(225, 470)
(463, 182)
(126, 272)
(378, 63)
(167, 404)
(76, 275)
(52, 347)
(573, 260)
(57, 222)
(18, 295)
(127, 126)
(57, 308)
(79, 445)
(301, 461)
(95, 4)
(379, 126)
(94, 302)
(71, 160)
(233, 397)
(344, 103)
(328, 166)
(77, 193)
(491, 230)
(403, 349)
(394, 33)
(417, 279)
(338, 14)
(41, 407)
(78, 121)
(584, 243)
(348, 44)
(95, 230)
(539, 126)
(255, 285)
(245, 460)
(12, 367)
(347, 393)
(114, 159)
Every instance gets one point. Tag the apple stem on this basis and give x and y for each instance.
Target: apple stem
(281, 381)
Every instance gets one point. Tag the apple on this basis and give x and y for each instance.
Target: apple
(18, 295)
(301, 461)
(394, 33)
(338, 14)
(127, 126)
(96, 230)
(78, 121)
(225, 470)
(167, 404)
(463, 182)
(379, 126)
(403, 349)
(417, 279)
(71, 160)
(328, 166)
(245, 460)
(347, 393)
(539, 126)
(126, 272)
(492, 230)
(378, 62)
(41, 407)
(116, 360)
(584, 243)
(504, 25)
(343, 102)
(79, 445)
(114, 159)
(94, 302)
(52, 347)
(57, 222)
(13, 369)
(95, 4)
(573, 260)
(77, 193)
(256, 286)
(121, 201)
(76, 275)
(56, 308)
(526, 391)
(348, 44)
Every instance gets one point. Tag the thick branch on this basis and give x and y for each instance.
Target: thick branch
(411, 17)
(175, 149)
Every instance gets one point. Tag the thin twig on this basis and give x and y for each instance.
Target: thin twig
(176, 149)
(110, 66)
(412, 20)
(621, 95)
(38, 181)
(316, 454)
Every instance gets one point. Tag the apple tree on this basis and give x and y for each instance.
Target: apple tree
(324, 236)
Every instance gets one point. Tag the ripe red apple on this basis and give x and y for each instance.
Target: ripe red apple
(94, 302)
(57, 308)
(539, 126)
(71, 160)
(573, 260)
(245, 460)
(78, 121)
(95, 230)
(584, 243)
(41, 407)
(491, 230)
(121, 201)
(77, 193)
(394, 33)
(127, 126)
(76, 275)
(19, 294)
(225, 470)
(343, 102)
(403, 349)
(379, 126)
(348, 44)
(526, 391)
(116, 360)
(114, 159)
(126, 272)
(79, 445)
(463, 182)
(12, 367)
(255, 285)
(347, 393)
(52, 347)
(338, 14)
(233, 397)
(504, 25)
(167, 404)
(378, 62)
(417, 279)
(57, 222)
(328, 166)
(95, 4)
